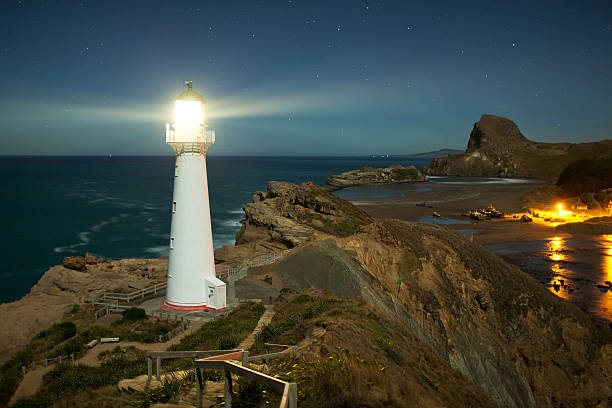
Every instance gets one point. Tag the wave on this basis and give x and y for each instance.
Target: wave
(160, 250)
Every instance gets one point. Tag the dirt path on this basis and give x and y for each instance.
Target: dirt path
(32, 380)
(264, 320)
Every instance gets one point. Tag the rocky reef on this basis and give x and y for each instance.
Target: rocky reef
(518, 343)
(370, 175)
(497, 148)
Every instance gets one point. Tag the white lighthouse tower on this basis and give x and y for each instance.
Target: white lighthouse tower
(192, 283)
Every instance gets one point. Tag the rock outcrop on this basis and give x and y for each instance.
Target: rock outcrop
(519, 343)
(370, 175)
(60, 287)
(287, 214)
(497, 148)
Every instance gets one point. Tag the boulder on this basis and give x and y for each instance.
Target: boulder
(76, 263)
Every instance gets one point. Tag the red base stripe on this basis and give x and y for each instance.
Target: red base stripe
(176, 308)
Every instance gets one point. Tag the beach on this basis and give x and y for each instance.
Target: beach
(453, 199)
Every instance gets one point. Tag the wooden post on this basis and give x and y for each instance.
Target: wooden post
(23, 370)
(228, 388)
(149, 370)
(198, 373)
(72, 356)
(158, 368)
(245, 358)
(292, 395)
(46, 363)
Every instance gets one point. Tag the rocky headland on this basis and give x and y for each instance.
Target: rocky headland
(286, 215)
(497, 148)
(370, 175)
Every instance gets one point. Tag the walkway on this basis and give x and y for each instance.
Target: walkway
(264, 320)
(138, 384)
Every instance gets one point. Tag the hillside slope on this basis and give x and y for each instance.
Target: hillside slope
(497, 148)
(520, 344)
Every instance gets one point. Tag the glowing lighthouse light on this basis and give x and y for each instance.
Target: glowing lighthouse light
(192, 283)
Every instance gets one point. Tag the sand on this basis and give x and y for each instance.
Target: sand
(453, 200)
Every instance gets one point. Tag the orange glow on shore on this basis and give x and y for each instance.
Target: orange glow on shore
(557, 216)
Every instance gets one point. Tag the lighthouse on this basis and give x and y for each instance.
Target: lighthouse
(192, 284)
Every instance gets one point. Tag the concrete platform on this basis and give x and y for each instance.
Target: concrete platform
(153, 308)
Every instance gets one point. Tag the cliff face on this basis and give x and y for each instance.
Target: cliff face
(520, 344)
(497, 148)
(65, 285)
(287, 214)
(371, 175)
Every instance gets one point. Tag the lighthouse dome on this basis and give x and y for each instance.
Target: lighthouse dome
(190, 94)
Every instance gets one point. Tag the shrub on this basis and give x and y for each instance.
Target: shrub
(58, 332)
(249, 395)
(170, 390)
(134, 314)
(228, 342)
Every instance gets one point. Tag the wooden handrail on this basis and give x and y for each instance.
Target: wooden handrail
(223, 362)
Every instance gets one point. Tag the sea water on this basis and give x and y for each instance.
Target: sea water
(119, 207)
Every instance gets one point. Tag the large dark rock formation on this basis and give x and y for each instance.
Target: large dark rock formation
(497, 148)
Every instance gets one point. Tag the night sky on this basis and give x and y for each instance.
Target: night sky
(301, 77)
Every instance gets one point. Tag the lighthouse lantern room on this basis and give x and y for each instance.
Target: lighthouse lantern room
(192, 284)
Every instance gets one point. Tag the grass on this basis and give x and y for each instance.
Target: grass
(352, 353)
(71, 337)
(404, 174)
(227, 330)
(170, 390)
(223, 333)
(66, 380)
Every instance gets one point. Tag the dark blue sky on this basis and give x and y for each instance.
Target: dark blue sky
(301, 77)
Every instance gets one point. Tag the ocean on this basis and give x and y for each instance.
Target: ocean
(119, 207)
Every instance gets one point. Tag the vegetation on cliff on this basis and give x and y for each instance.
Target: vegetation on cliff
(349, 352)
(589, 175)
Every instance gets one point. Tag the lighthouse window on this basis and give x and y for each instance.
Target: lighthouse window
(174, 206)
(171, 242)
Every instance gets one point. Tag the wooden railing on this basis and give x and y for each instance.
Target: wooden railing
(47, 362)
(225, 274)
(163, 355)
(224, 360)
(109, 301)
(139, 294)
